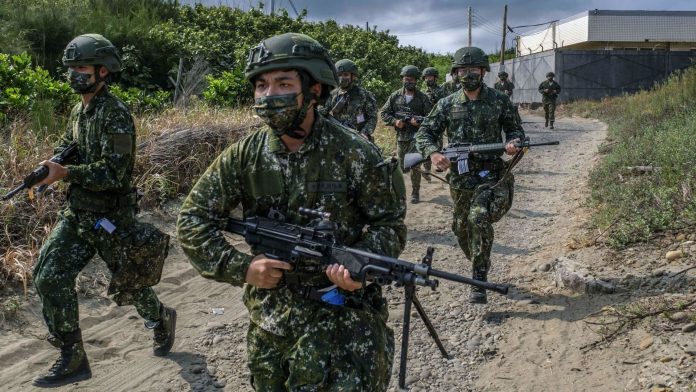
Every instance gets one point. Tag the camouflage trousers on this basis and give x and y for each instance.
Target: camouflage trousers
(403, 148)
(475, 211)
(71, 245)
(549, 109)
(341, 349)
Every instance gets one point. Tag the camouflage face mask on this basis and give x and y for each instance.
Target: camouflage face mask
(472, 81)
(280, 112)
(409, 85)
(80, 82)
(344, 82)
(430, 83)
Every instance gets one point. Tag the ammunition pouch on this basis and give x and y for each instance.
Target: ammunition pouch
(144, 250)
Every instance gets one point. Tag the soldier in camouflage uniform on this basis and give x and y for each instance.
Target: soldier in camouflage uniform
(407, 100)
(350, 104)
(451, 86)
(296, 341)
(434, 92)
(549, 90)
(504, 85)
(481, 194)
(100, 217)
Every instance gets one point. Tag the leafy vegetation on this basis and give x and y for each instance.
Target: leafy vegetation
(655, 132)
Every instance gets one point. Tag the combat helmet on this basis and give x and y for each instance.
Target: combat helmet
(346, 65)
(292, 50)
(431, 71)
(551, 74)
(92, 49)
(470, 56)
(502, 74)
(410, 70)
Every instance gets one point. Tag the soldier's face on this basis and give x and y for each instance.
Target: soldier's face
(462, 72)
(429, 78)
(280, 82)
(85, 69)
(408, 79)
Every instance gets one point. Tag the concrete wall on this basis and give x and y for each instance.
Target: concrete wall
(593, 74)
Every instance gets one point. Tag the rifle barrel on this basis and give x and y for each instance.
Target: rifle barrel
(498, 288)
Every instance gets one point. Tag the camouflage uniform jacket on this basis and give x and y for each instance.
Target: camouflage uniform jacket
(101, 180)
(359, 112)
(505, 87)
(434, 93)
(334, 170)
(449, 88)
(420, 106)
(553, 94)
(467, 121)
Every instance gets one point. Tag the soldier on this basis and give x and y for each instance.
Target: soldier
(432, 90)
(296, 340)
(481, 192)
(549, 90)
(451, 86)
(397, 111)
(99, 218)
(504, 85)
(350, 104)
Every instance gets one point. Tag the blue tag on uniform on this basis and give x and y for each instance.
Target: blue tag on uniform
(334, 297)
(484, 173)
(106, 225)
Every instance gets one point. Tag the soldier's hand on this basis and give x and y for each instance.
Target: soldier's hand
(511, 148)
(399, 124)
(415, 122)
(56, 172)
(440, 161)
(265, 273)
(340, 276)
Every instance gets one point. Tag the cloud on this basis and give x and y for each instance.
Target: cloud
(441, 26)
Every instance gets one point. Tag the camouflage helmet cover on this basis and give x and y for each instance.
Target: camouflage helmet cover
(551, 74)
(470, 56)
(92, 49)
(346, 65)
(431, 71)
(410, 70)
(292, 50)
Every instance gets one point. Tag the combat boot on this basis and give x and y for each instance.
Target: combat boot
(478, 295)
(546, 124)
(551, 125)
(165, 331)
(415, 199)
(72, 365)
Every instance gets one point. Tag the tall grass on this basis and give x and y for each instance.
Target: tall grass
(655, 128)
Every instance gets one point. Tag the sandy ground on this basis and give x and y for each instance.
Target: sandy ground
(529, 340)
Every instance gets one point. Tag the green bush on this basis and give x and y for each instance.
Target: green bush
(140, 100)
(230, 88)
(654, 128)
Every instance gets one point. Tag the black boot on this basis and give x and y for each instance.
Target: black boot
(546, 124)
(72, 365)
(165, 331)
(551, 125)
(478, 295)
(415, 199)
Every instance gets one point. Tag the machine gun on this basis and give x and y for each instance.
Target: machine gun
(459, 153)
(297, 245)
(41, 172)
(407, 117)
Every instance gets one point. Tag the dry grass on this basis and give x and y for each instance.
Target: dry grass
(174, 148)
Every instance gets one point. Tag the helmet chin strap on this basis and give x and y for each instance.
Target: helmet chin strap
(292, 129)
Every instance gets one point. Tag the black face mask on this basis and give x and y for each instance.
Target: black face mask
(409, 85)
(344, 83)
(80, 82)
(472, 81)
(430, 83)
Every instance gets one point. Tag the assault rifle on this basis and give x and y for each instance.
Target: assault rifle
(41, 172)
(296, 245)
(459, 153)
(406, 116)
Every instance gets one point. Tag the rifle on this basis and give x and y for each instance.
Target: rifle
(459, 153)
(406, 116)
(41, 172)
(296, 244)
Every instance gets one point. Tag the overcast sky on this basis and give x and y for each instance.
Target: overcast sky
(441, 26)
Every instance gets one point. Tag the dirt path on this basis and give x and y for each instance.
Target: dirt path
(527, 341)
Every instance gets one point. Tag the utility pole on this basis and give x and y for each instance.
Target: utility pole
(367, 26)
(502, 48)
(272, 7)
(469, 26)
